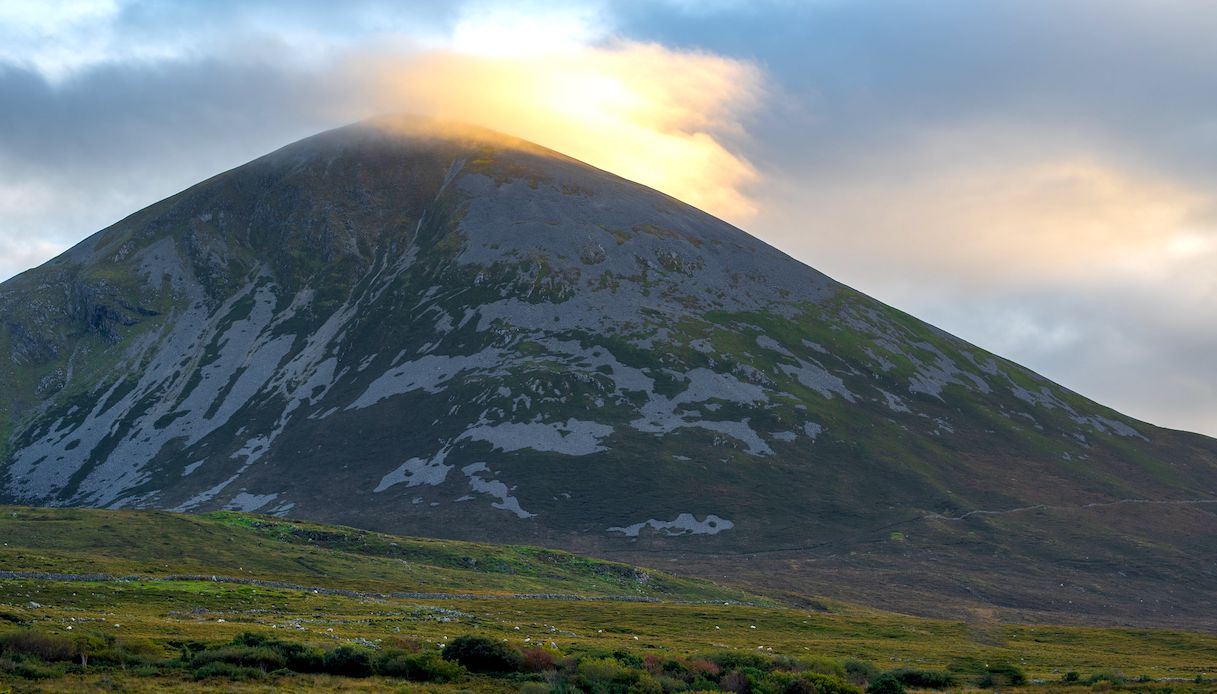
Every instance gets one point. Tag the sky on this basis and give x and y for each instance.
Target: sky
(1038, 177)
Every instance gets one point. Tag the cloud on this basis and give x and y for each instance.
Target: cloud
(1063, 220)
(143, 109)
(18, 255)
(661, 117)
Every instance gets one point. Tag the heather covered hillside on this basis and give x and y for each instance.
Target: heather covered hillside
(152, 601)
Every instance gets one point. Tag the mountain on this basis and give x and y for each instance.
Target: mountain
(430, 329)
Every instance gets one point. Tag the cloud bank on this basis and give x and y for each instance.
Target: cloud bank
(647, 113)
(133, 116)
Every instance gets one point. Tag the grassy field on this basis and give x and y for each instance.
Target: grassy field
(506, 594)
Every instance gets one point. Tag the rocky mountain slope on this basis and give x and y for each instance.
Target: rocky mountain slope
(427, 329)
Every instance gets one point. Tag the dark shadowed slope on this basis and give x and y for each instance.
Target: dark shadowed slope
(443, 331)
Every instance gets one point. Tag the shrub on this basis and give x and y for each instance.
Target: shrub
(48, 647)
(887, 683)
(645, 684)
(1002, 675)
(705, 668)
(251, 639)
(860, 672)
(258, 657)
(798, 685)
(673, 684)
(29, 668)
(628, 659)
(1071, 676)
(348, 661)
(296, 657)
(612, 675)
(480, 654)
(301, 658)
(604, 670)
(674, 667)
(828, 684)
(228, 671)
(538, 659)
(738, 660)
(820, 664)
(734, 681)
(924, 679)
(419, 667)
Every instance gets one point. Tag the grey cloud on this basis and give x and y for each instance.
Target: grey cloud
(79, 155)
(1134, 349)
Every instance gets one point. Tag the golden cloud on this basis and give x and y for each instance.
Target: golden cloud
(642, 111)
(1074, 219)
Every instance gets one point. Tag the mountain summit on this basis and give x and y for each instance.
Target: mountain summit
(439, 330)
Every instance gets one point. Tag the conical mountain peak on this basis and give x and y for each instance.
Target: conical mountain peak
(437, 329)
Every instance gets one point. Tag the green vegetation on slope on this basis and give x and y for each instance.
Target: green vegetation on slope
(158, 544)
(154, 635)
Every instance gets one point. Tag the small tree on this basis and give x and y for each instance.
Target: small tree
(87, 645)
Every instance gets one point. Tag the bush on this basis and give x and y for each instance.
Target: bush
(735, 681)
(829, 684)
(1071, 676)
(672, 684)
(299, 657)
(480, 654)
(257, 657)
(604, 670)
(924, 679)
(48, 647)
(738, 660)
(820, 664)
(887, 683)
(28, 667)
(1002, 675)
(628, 659)
(538, 659)
(228, 671)
(645, 684)
(348, 661)
(251, 639)
(419, 667)
(296, 657)
(705, 668)
(860, 672)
